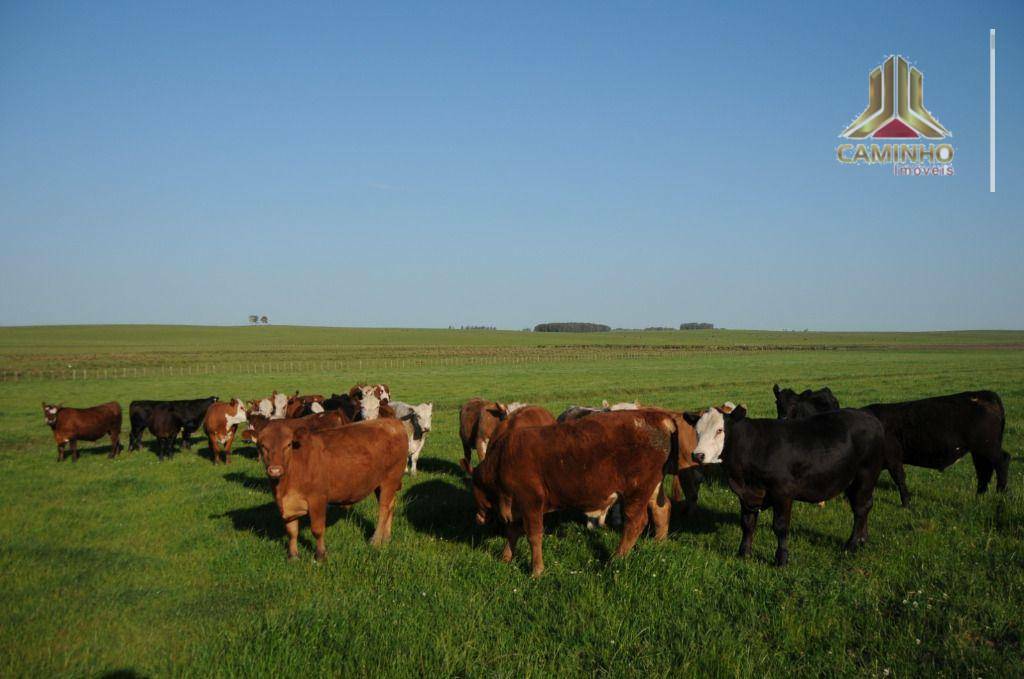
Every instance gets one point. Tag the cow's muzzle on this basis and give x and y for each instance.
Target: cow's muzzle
(698, 458)
(275, 471)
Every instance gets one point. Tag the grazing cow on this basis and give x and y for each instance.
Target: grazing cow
(342, 466)
(585, 465)
(190, 411)
(71, 425)
(220, 425)
(164, 425)
(417, 421)
(298, 406)
(771, 463)
(792, 406)
(936, 432)
(577, 412)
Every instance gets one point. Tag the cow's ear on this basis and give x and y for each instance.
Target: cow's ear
(466, 467)
(738, 413)
(776, 390)
(691, 418)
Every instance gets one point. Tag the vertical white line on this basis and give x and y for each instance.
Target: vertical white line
(992, 110)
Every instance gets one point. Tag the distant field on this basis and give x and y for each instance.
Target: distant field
(178, 568)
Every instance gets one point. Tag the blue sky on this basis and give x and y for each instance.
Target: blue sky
(428, 164)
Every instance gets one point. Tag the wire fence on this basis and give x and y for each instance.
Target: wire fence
(286, 367)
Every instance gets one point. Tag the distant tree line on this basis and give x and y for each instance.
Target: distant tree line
(255, 320)
(571, 327)
(476, 327)
(696, 326)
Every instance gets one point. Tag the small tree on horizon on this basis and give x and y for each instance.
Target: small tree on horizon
(264, 320)
(253, 319)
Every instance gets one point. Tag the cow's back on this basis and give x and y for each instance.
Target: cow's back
(89, 424)
(350, 462)
(935, 432)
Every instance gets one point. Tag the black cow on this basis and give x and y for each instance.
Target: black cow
(346, 403)
(936, 432)
(770, 463)
(792, 406)
(190, 411)
(164, 424)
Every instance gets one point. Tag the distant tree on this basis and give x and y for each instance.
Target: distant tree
(571, 327)
(264, 320)
(696, 326)
(253, 319)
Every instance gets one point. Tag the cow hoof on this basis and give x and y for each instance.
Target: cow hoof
(320, 557)
(292, 557)
(782, 559)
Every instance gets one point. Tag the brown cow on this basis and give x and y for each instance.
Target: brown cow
(71, 425)
(302, 405)
(315, 422)
(587, 465)
(220, 424)
(477, 421)
(339, 466)
(165, 424)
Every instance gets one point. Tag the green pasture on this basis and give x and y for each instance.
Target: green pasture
(179, 568)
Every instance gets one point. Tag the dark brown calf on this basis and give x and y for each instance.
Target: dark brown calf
(340, 466)
(71, 425)
(164, 425)
(477, 421)
(300, 405)
(587, 465)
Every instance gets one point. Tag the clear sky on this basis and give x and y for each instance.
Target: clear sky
(427, 164)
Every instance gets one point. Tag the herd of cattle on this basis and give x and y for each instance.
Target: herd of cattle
(319, 451)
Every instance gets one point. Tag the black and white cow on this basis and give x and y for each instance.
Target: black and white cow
(771, 463)
(190, 411)
(417, 421)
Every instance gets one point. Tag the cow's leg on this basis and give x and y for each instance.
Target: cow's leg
(318, 524)
(114, 447)
(861, 497)
(748, 522)
(983, 468)
(413, 460)
(689, 480)
(214, 449)
(1002, 466)
(899, 477)
(227, 447)
(60, 452)
(513, 531)
(780, 525)
(533, 526)
(134, 439)
(386, 496)
(635, 509)
(467, 454)
(74, 450)
(186, 438)
(661, 512)
(292, 528)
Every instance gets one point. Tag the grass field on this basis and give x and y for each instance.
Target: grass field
(179, 568)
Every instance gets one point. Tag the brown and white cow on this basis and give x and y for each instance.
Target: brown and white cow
(371, 397)
(221, 423)
(299, 406)
(586, 465)
(71, 425)
(310, 470)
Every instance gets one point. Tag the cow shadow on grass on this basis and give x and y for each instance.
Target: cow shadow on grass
(260, 483)
(444, 510)
(265, 522)
(437, 465)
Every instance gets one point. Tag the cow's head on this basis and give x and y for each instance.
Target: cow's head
(786, 401)
(277, 443)
(236, 412)
(712, 427)
(424, 415)
(369, 406)
(50, 413)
